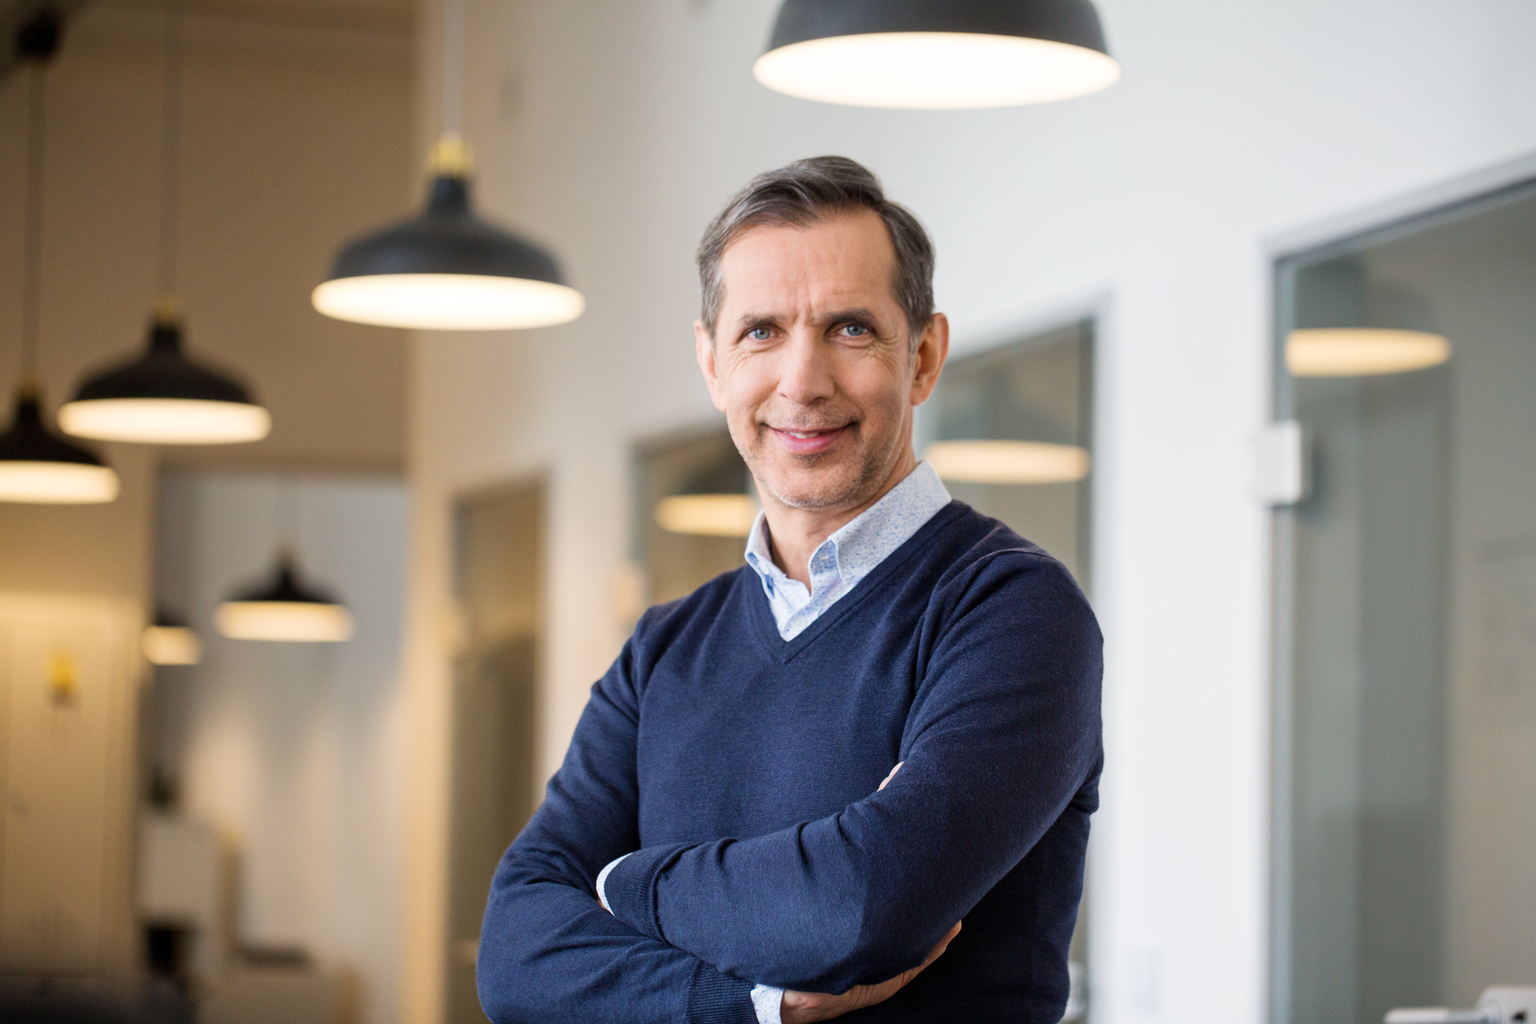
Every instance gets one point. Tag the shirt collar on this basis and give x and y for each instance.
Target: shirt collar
(866, 540)
(759, 557)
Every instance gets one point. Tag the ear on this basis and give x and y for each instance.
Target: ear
(928, 360)
(704, 351)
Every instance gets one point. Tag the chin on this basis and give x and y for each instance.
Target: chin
(813, 491)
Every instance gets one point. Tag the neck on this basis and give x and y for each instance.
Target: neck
(794, 534)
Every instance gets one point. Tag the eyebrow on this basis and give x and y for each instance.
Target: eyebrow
(844, 315)
(751, 321)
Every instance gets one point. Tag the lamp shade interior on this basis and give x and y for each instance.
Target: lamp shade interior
(38, 467)
(56, 483)
(937, 54)
(164, 398)
(171, 645)
(292, 621)
(1362, 351)
(447, 269)
(709, 515)
(1008, 462)
(448, 302)
(166, 420)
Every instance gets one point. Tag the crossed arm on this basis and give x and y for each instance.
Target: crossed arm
(548, 951)
(991, 758)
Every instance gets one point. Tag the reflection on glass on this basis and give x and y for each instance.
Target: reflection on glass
(707, 515)
(498, 587)
(1020, 416)
(1008, 462)
(679, 545)
(1009, 431)
(1406, 689)
(1361, 351)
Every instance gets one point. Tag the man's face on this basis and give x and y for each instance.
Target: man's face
(811, 360)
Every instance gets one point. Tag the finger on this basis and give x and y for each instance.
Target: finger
(891, 776)
(901, 980)
(809, 1006)
(806, 1000)
(943, 944)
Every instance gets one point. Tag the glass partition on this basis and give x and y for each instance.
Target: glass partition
(1030, 405)
(1406, 676)
(499, 585)
(699, 478)
(1035, 391)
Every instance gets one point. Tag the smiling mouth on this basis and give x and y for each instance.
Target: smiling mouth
(809, 442)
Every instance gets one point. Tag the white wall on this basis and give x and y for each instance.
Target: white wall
(614, 130)
(295, 751)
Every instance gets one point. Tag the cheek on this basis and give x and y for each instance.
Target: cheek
(747, 384)
(880, 391)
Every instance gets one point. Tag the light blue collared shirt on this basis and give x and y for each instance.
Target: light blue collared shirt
(836, 567)
(843, 559)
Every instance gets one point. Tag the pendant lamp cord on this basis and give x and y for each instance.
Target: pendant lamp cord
(32, 255)
(453, 67)
(287, 517)
(170, 149)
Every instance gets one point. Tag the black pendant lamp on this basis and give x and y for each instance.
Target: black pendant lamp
(937, 54)
(36, 465)
(170, 641)
(39, 467)
(284, 607)
(163, 397)
(446, 268)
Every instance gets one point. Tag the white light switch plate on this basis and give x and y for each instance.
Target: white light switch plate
(1282, 471)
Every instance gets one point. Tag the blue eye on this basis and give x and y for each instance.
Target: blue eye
(759, 334)
(855, 330)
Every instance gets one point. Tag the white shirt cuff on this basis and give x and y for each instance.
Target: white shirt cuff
(602, 876)
(766, 1000)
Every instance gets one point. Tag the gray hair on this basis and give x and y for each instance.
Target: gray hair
(807, 191)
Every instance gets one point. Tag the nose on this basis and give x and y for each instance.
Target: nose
(806, 372)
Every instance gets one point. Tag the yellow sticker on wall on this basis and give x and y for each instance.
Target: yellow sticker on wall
(63, 678)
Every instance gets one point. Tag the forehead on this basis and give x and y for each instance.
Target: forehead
(840, 261)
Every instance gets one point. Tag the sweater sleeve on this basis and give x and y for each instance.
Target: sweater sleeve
(548, 951)
(1003, 734)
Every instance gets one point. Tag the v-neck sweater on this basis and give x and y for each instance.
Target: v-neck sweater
(849, 554)
(743, 771)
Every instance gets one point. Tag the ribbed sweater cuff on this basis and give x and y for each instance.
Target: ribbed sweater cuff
(630, 888)
(715, 998)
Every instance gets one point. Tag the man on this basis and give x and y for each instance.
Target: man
(794, 783)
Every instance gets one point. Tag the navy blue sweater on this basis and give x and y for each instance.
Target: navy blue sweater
(743, 769)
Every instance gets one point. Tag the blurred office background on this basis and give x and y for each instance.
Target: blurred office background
(1320, 703)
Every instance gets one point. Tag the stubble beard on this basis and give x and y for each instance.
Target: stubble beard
(870, 468)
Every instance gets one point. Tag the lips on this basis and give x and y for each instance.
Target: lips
(808, 442)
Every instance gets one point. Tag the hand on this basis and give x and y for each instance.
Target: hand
(887, 780)
(805, 1007)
